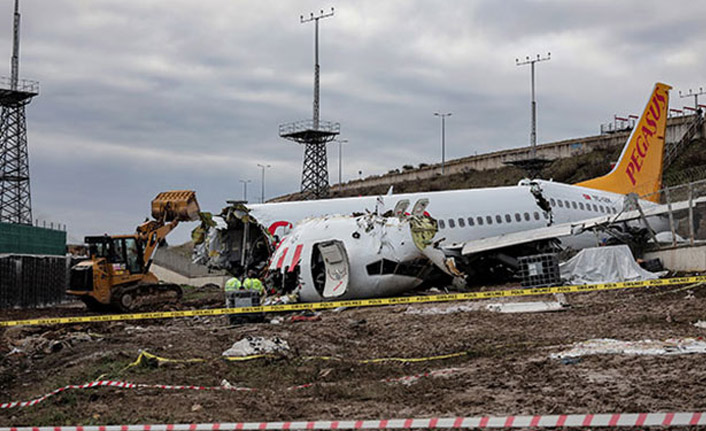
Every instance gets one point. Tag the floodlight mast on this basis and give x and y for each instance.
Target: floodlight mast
(533, 133)
(316, 19)
(695, 95)
(15, 62)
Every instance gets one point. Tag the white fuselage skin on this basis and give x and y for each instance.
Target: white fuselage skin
(463, 215)
(445, 206)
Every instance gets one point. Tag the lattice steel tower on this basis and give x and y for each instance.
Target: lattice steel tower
(314, 134)
(15, 94)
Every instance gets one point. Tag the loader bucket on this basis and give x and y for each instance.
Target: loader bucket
(177, 205)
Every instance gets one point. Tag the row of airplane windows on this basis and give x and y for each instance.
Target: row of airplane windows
(480, 220)
(580, 206)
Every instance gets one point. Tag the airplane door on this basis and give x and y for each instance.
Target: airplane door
(420, 206)
(335, 260)
(401, 207)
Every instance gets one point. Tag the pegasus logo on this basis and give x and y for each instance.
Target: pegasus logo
(647, 129)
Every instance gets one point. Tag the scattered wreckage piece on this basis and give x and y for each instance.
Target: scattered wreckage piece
(609, 346)
(250, 346)
(527, 307)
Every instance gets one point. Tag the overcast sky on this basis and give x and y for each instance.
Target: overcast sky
(143, 96)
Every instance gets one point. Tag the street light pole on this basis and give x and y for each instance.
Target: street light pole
(316, 60)
(443, 138)
(245, 189)
(340, 157)
(262, 194)
(533, 133)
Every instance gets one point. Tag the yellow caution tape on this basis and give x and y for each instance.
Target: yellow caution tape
(362, 302)
(147, 355)
(248, 358)
(429, 358)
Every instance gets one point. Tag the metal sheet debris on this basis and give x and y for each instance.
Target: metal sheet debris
(445, 310)
(249, 346)
(609, 346)
(526, 307)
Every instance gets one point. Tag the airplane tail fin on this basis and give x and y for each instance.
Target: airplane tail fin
(639, 169)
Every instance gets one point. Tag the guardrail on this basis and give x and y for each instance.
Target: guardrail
(24, 85)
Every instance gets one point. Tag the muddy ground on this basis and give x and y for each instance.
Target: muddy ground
(506, 368)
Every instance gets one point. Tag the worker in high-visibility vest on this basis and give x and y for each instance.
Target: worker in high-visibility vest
(232, 285)
(253, 283)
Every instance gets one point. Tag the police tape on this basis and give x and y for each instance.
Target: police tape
(631, 420)
(401, 300)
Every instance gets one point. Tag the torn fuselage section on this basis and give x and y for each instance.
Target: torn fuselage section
(354, 257)
(232, 240)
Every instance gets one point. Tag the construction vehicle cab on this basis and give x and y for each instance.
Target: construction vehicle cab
(116, 275)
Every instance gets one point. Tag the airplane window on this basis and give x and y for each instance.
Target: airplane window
(588, 207)
(561, 204)
(581, 206)
(508, 218)
(411, 268)
(461, 222)
(573, 204)
(442, 225)
(489, 219)
(527, 217)
(388, 266)
(479, 219)
(567, 204)
(498, 218)
(546, 216)
(374, 268)
(536, 215)
(552, 201)
(452, 223)
(518, 217)
(381, 267)
(615, 211)
(470, 221)
(595, 207)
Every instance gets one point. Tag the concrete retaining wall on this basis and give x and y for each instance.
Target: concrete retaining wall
(676, 127)
(688, 259)
(169, 276)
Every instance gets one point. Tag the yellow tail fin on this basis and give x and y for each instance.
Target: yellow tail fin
(639, 169)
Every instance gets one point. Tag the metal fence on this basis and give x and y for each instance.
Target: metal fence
(28, 239)
(687, 225)
(31, 280)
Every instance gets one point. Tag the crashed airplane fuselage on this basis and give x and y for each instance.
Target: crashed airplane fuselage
(354, 257)
(250, 233)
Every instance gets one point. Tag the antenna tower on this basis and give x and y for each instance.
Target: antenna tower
(314, 134)
(15, 94)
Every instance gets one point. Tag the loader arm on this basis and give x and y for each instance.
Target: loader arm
(168, 209)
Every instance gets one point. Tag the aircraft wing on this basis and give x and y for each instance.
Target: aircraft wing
(564, 229)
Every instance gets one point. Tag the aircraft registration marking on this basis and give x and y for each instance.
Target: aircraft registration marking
(361, 302)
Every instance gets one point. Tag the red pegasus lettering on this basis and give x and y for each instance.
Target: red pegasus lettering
(641, 145)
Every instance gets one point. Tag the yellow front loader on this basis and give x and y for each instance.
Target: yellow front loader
(117, 274)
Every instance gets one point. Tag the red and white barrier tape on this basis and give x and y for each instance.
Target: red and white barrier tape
(549, 421)
(120, 385)
(128, 385)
